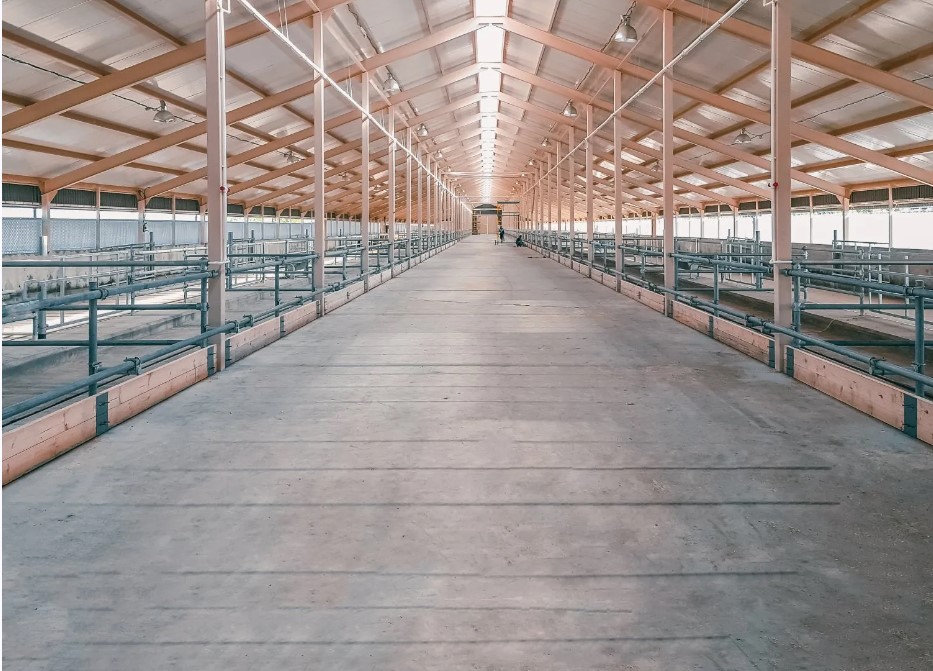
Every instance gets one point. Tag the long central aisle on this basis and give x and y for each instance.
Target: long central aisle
(488, 463)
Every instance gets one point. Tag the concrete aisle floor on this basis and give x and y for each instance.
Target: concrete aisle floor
(489, 463)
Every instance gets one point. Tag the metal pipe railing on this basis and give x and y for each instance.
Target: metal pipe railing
(90, 301)
(916, 297)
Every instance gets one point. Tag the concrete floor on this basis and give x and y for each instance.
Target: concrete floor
(488, 463)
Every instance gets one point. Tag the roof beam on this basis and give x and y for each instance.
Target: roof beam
(80, 155)
(694, 168)
(171, 60)
(534, 110)
(335, 122)
(251, 109)
(724, 103)
(691, 138)
(328, 154)
(805, 52)
(812, 36)
(178, 42)
(42, 46)
(699, 190)
(119, 128)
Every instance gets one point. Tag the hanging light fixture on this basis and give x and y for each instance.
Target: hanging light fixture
(546, 142)
(438, 155)
(422, 131)
(742, 138)
(162, 115)
(626, 33)
(391, 85)
(570, 110)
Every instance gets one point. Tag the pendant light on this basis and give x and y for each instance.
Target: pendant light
(422, 131)
(162, 115)
(391, 85)
(570, 110)
(742, 138)
(626, 33)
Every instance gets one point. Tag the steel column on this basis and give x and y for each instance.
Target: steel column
(549, 195)
(780, 172)
(435, 186)
(617, 158)
(216, 173)
(409, 210)
(97, 231)
(845, 218)
(429, 213)
(890, 217)
(365, 187)
(420, 201)
(92, 363)
(591, 248)
(392, 169)
(667, 95)
(560, 190)
(317, 113)
(572, 170)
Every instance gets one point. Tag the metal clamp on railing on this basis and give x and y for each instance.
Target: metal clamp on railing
(136, 363)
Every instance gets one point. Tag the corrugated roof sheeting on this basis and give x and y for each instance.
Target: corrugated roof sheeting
(101, 34)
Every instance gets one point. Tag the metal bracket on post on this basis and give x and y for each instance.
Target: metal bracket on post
(910, 415)
(102, 407)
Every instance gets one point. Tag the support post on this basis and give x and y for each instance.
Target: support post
(92, 363)
(617, 156)
(590, 246)
(420, 202)
(392, 169)
(409, 211)
(810, 199)
(174, 238)
(202, 223)
(572, 170)
(435, 187)
(919, 342)
(560, 197)
(540, 170)
(845, 218)
(317, 107)
(216, 173)
(140, 221)
(780, 172)
(97, 231)
(667, 95)
(365, 186)
(890, 216)
(45, 241)
(548, 195)
(429, 213)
